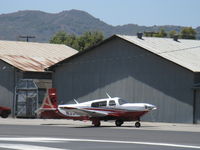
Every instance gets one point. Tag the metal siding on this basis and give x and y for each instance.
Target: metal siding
(6, 84)
(197, 106)
(115, 67)
(197, 78)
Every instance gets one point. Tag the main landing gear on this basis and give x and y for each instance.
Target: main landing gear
(118, 123)
(96, 122)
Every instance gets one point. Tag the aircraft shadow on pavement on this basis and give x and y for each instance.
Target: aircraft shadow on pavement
(91, 126)
(73, 126)
(53, 124)
(112, 127)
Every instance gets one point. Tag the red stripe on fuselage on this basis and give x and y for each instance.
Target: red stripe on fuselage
(56, 114)
(123, 114)
(111, 109)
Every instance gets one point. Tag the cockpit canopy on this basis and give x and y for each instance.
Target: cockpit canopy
(110, 102)
(122, 101)
(99, 104)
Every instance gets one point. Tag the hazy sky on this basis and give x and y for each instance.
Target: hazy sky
(119, 12)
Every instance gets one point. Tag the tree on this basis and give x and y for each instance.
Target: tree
(161, 33)
(59, 38)
(72, 41)
(188, 33)
(149, 33)
(89, 39)
(80, 43)
(172, 33)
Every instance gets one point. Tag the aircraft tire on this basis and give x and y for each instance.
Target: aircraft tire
(96, 123)
(118, 123)
(137, 124)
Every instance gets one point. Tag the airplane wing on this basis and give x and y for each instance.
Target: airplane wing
(87, 112)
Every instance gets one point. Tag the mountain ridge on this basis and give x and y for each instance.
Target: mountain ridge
(44, 25)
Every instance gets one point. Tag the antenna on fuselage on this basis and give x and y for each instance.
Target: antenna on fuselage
(108, 95)
(76, 101)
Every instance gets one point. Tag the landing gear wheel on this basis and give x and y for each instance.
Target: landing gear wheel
(96, 123)
(137, 124)
(118, 123)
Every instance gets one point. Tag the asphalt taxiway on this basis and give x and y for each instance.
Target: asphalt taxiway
(21, 134)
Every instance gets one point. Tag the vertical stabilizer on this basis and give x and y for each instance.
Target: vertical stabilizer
(50, 100)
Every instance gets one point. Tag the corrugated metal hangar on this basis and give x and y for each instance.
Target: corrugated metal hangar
(23, 81)
(160, 71)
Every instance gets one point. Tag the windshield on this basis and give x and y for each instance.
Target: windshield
(122, 101)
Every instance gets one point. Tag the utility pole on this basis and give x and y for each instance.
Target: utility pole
(26, 37)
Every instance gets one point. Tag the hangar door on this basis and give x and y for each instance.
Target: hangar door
(197, 107)
(26, 99)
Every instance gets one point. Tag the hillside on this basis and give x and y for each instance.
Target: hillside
(44, 25)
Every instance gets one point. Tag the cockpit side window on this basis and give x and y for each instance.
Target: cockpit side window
(99, 104)
(122, 101)
(112, 103)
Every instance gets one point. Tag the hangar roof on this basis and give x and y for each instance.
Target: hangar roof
(183, 52)
(29, 56)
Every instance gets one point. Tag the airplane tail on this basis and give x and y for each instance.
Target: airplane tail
(50, 100)
(49, 105)
(49, 108)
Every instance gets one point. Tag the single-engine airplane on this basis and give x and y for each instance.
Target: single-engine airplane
(96, 110)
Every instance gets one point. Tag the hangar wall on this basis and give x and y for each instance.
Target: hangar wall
(128, 71)
(6, 84)
(197, 105)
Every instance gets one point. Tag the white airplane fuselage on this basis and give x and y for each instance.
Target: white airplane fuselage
(126, 106)
(110, 108)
